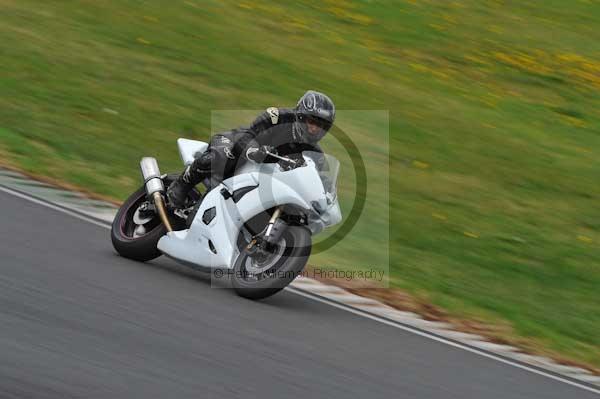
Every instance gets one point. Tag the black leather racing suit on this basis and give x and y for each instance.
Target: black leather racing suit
(226, 151)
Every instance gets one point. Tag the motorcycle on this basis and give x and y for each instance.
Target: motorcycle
(255, 227)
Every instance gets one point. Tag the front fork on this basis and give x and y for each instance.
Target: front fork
(272, 221)
(273, 232)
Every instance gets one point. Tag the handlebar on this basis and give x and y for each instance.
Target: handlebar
(286, 159)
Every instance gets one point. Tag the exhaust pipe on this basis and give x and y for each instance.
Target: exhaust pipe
(151, 175)
(155, 188)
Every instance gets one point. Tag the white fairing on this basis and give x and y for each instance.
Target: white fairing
(190, 149)
(272, 186)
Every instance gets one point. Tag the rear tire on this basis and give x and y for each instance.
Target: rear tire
(142, 248)
(298, 244)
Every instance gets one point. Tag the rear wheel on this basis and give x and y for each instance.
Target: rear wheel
(261, 275)
(136, 229)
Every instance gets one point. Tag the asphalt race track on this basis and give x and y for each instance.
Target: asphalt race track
(78, 321)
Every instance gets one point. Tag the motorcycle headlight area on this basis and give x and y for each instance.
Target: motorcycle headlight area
(319, 207)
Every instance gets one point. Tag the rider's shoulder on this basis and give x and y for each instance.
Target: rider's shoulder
(272, 114)
(276, 115)
(271, 117)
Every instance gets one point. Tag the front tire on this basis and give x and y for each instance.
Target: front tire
(285, 269)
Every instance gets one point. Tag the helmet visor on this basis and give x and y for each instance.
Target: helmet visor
(316, 128)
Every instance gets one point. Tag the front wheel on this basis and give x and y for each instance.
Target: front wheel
(257, 277)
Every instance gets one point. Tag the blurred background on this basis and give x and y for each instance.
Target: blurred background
(494, 134)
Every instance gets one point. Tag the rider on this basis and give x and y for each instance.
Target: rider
(277, 130)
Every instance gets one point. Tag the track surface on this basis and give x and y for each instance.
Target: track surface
(76, 320)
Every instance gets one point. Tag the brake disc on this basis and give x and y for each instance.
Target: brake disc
(254, 265)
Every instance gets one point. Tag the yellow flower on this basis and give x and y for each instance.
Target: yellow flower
(420, 165)
(439, 216)
(571, 120)
(418, 67)
(438, 27)
(383, 60)
(495, 29)
(584, 239)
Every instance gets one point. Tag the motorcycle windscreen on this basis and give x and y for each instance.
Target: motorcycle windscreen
(328, 167)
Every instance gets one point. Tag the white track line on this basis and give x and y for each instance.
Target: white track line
(440, 339)
(52, 206)
(348, 308)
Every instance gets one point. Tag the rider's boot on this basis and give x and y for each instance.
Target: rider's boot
(191, 176)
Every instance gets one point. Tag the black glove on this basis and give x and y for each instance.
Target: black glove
(258, 154)
(286, 165)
